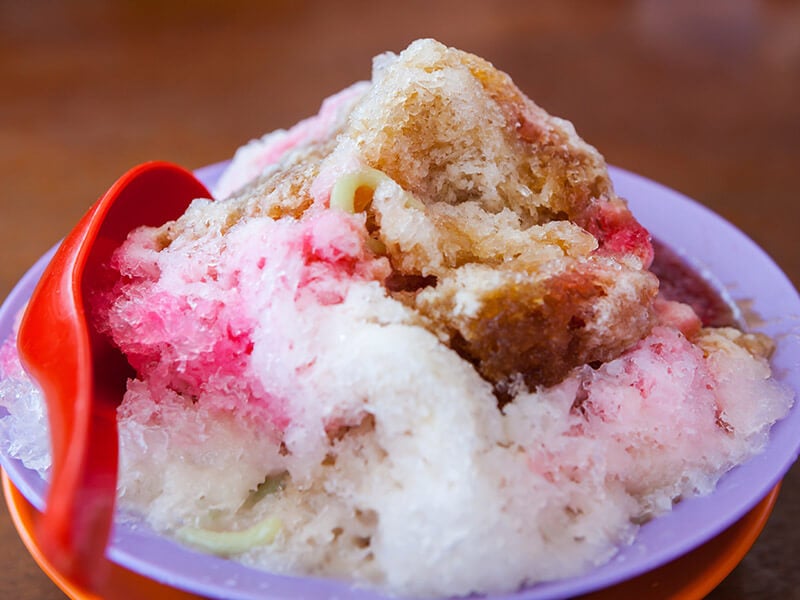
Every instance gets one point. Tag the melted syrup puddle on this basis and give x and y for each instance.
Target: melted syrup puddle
(681, 282)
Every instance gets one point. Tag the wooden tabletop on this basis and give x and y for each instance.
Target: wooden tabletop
(701, 96)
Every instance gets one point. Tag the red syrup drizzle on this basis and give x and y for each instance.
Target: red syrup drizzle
(682, 283)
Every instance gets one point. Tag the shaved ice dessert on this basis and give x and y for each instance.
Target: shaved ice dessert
(416, 343)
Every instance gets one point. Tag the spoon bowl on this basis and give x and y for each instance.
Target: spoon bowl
(81, 374)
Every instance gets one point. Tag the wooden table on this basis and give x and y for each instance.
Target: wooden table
(701, 96)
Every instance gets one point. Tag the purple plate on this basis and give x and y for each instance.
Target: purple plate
(729, 259)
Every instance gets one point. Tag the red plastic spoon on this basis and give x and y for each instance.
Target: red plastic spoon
(82, 376)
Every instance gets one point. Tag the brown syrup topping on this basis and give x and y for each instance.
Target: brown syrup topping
(400, 282)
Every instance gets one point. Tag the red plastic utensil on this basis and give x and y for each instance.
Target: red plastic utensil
(82, 376)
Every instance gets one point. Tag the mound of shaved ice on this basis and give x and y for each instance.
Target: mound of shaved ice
(391, 441)
(23, 420)
(328, 368)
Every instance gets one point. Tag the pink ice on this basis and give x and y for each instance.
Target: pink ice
(252, 159)
(186, 317)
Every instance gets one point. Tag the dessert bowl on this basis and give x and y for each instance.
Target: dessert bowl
(730, 262)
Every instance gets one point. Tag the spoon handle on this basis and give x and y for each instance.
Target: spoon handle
(54, 346)
(82, 376)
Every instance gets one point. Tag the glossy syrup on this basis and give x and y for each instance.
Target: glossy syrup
(681, 282)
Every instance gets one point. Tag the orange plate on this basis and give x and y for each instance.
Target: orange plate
(690, 577)
(129, 583)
